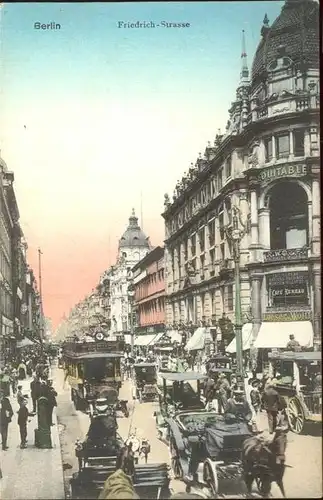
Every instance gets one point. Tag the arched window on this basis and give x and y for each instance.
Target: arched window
(288, 216)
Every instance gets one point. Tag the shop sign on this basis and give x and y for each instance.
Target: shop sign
(296, 292)
(273, 173)
(288, 316)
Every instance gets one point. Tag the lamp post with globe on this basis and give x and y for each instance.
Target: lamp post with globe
(235, 231)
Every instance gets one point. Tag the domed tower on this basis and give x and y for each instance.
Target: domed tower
(290, 47)
(133, 244)
(284, 171)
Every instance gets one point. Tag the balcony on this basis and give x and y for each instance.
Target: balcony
(286, 255)
(302, 103)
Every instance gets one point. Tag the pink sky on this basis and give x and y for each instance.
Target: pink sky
(69, 274)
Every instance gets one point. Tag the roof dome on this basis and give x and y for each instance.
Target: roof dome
(133, 236)
(297, 30)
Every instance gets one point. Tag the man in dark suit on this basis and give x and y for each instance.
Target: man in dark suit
(50, 394)
(273, 404)
(35, 387)
(6, 413)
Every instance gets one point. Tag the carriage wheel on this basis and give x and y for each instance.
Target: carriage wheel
(175, 462)
(295, 415)
(210, 477)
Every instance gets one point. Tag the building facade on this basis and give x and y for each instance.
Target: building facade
(133, 246)
(6, 291)
(149, 289)
(17, 298)
(264, 168)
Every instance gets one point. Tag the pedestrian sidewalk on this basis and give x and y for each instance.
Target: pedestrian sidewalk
(31, 473)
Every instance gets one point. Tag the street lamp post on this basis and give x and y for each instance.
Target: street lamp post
(131, 294)
(235, 235)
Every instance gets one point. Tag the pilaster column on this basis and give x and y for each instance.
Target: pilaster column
(317, 308)
(274, 147)
(175, 264)
(189, 241)
(264, 227)
(261, 153)
(182, 260)
(207, 243)
(316, 247)
(254, 218)
(291, 143)
(307, 143)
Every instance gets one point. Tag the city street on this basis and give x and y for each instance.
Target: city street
(303, 477)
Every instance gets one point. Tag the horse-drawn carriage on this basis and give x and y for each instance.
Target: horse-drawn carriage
(204, 447)
(176, 394)
(300, 383)
(145, 382)
(99, 457)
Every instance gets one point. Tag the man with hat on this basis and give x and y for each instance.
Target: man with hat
(6, 413)
(23, 415)
(273, 404)
(255, 398)
(292, 344)
(238, 407)
(222, 391)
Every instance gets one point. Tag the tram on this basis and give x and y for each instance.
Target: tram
(92, 366)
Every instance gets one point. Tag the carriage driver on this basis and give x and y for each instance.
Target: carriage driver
(237, 407)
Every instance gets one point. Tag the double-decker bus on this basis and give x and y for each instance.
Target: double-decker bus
(92, 366)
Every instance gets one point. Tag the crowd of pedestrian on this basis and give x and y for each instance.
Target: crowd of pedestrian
(32, 363)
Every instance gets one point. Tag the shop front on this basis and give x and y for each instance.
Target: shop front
(288, 312)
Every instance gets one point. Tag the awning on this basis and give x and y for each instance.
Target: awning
(156, 338)
(246, 339)
(273, 335)
(24, 343)
(144, 340)
(197, 340)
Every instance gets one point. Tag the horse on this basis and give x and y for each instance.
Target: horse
(126, 460)
(264, 462)
(144, 449)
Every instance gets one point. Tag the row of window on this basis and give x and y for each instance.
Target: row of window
(153, 306)
(284, 144)
(147, 287)
(289, 228)
(278, 296)
(201, 237)
(4, 235)
(6, 304)
(4, 266)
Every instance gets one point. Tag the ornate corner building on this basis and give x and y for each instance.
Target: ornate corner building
(265, 168)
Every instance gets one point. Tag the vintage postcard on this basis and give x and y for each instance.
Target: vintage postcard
(160, 250)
